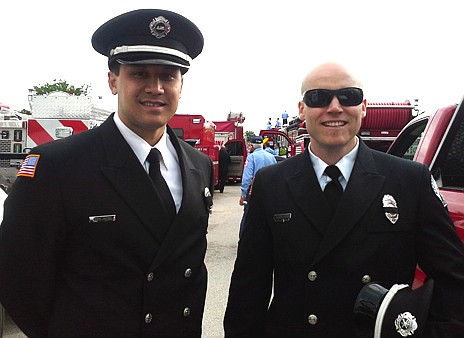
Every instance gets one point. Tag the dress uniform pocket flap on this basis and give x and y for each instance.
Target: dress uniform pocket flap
(387, 226)
(281, 218)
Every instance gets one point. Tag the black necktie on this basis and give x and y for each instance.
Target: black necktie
(154, 158)
(333, 190)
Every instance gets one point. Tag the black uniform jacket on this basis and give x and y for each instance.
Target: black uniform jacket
(66, 273)
(318, 264)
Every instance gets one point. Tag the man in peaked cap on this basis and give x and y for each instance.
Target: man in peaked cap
(109, 252)
(256, 140)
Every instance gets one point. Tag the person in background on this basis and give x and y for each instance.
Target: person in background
(269, 124)
(267, 146)
(256, 159)
(311, 242)
(276, 149)
(285, 118)
(249, 147)
(278, 124)
(224, 161)
(104, 232)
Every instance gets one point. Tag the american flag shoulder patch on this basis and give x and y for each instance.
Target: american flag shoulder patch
(29, 165)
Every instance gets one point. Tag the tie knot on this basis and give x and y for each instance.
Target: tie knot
(333, 172)
(154, 156)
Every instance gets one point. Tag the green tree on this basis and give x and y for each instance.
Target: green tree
(248, 135)
(62, 86)
(25, 111)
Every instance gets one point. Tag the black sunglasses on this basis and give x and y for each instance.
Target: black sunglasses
(316, 98)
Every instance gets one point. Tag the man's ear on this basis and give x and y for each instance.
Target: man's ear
(301, 114)
(112, 78)
(364, 108)
(181, 86)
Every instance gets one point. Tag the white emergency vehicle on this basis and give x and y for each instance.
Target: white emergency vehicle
(53, 116)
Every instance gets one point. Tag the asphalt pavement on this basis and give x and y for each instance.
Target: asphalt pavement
(220, 256)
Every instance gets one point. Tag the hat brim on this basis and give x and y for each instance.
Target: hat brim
(150, 59)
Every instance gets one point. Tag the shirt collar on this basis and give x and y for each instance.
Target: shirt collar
(345, 164)
(140, 147)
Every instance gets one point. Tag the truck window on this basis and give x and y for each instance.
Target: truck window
(406, 144)
(235, 148)
(449, 165)
(18, 135)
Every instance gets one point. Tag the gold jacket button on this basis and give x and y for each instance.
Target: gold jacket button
(366, 279)
(148, 318)
(312, 276)
(312, 319)
(188, 273)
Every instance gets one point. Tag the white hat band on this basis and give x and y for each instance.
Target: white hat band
(383, 307)
(150, 49)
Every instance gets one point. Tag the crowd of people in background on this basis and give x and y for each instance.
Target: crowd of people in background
(278, 123)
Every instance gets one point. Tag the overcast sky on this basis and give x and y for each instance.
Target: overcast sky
(256, 52)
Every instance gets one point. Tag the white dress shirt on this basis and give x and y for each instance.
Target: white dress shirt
(345, 165)
(169, 164)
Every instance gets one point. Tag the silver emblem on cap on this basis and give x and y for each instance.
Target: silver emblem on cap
(391, 209)
(406, 324)
(160, 27)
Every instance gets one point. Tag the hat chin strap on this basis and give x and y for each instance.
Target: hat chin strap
(153, 62)
(150, 49)
(384, 306)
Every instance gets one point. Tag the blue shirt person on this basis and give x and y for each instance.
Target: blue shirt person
(257, 159)
(267, 147)
(284, 117)
(269, 124)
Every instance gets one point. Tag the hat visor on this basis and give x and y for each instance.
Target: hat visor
(151, 59)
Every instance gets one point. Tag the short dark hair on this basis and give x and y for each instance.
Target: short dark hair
(114, 67)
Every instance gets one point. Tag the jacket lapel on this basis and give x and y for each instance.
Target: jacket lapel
(307, 193)
(191, 202)
(134, 185)
(129, 178)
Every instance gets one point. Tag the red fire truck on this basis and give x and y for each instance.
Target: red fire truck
(209, 136)
(379, 128)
